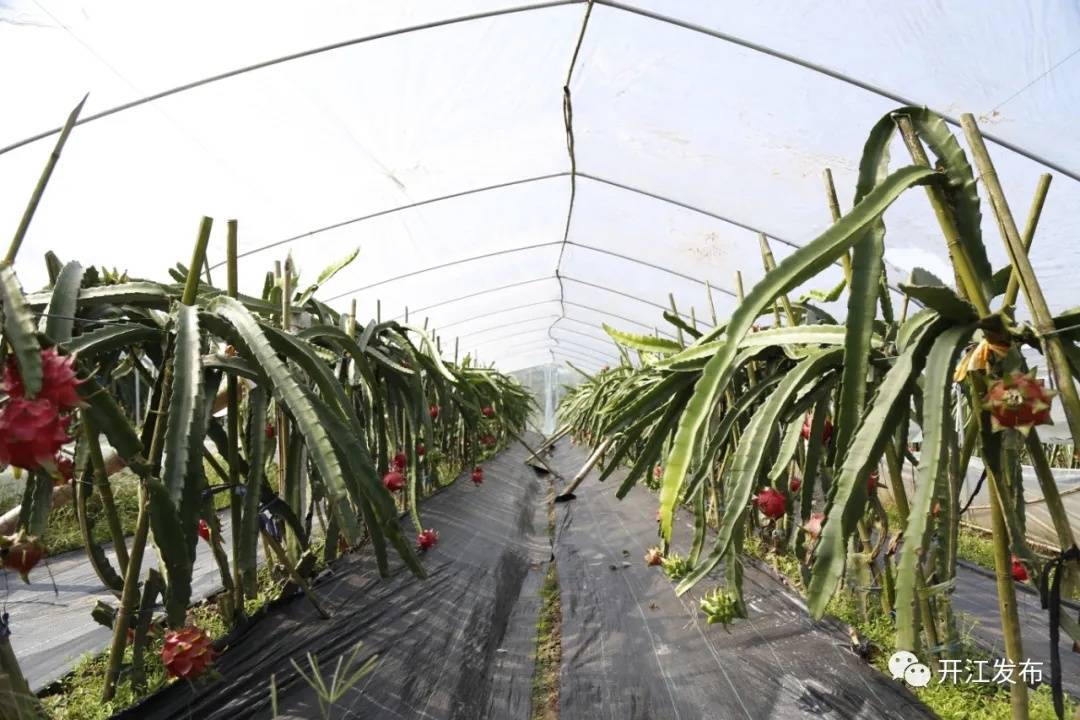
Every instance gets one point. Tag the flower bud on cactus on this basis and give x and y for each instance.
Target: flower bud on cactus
(393, 481)
(58, 382)
(1018, 401)
(1019, 572)
(487, 411)
(771, 503)
(654, 557)
(401, 460)
(478, 475)
(427, 539)
(658, 472)
(187, 653)
(21, 553)
(31, 433)
(813, 525)
(720, 606)
(204, 530)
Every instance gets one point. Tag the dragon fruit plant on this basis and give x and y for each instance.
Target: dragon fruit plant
(782, 389)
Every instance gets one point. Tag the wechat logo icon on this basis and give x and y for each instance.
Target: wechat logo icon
(905, 666)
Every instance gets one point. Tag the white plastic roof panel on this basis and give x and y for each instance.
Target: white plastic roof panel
(432, 136)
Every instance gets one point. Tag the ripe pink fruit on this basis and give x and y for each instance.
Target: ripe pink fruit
(813, 525)
(487, 440)
(654, 557)
(58, 384)
(427, 539)
(1018, 401)
(187, 653)
(1019, 572)
(393, 481)
(434, 412)
(795, 483)
(31, 433)
(21, 553)
(400, 461)
(771, 503)
(271, 432)
(204, 530)
(478, 475)
(826, 432)
(487, 411)
(658, 472)
(420, 450)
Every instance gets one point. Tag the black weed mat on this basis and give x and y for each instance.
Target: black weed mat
(457, 645)
(631, 649)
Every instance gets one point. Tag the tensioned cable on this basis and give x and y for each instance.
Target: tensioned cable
(399, 208)
(478, 293)
(568, 346)
(665, 308)
(604, 340)
(568, 128)
(498, 312)
(442, 266)
(500, 326)
(606, 354)
(611, 314)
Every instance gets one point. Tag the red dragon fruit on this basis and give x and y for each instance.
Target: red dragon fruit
(1018, 401)
(658, 472)
(393, 481)
(478, 475)
(434, 412)
(65, 468)
(487, 411)
(420, 449)
(771, 503)
(1019, 572)
(21, 553)
(826, 432)
(271, 433)
(58, 385)
(204, 530)
(795, 483)
(31, 433)
(401, 460)
(873, 482)
(187, 653)
(427, 539)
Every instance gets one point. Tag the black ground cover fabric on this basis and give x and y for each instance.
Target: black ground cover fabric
(457, 645)
(632, 649)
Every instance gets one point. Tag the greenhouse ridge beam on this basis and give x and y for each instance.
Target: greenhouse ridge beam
(391, 211)
(243, 70)
(834, 74)
(612, 4)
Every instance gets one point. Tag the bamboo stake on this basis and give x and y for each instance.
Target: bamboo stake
(568, 493)
(1053, 347)
(1006, 592)
(559, 434)
(675, 312)
(965, 271)
(142, 524)
(232, 427)
(770, 264)
(39, 189)
(712, 305)
(1029, 235)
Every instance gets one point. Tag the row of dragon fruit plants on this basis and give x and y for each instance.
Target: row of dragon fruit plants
(783, 426)
(300, 410)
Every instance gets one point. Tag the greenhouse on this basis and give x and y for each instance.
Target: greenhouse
(590, 359)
